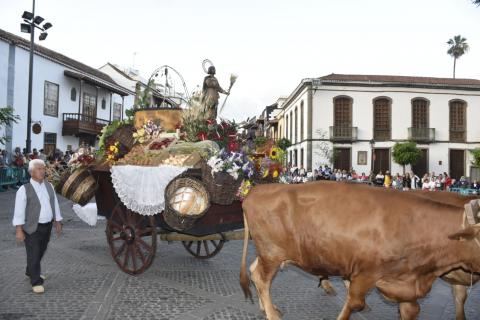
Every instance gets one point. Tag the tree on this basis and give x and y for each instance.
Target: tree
(458, 47)
(406, 153)
(476, 153)
(477, 2)
(7, 118)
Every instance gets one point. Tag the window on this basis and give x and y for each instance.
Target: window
(301, 121)
(296, 124)
(49, 143)
(89, 107)
(342, 117)
(295, 157)
(381, 119)
(73, 94)
(291, 126)
(50, 99)
(117, 111)
(286, 126)
(104, 104)
(419, 113)
(457, 121)
(301, 157)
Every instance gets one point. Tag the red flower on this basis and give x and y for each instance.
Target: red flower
(202, 136)
(232, 146)
(178, 125)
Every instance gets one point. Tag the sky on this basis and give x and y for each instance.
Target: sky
(271, 45)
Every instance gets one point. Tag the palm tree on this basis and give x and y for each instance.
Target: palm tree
(458, 47)
(477, 2)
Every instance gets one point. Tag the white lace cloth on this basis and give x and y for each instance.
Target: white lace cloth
(87, 213)
(142, 189)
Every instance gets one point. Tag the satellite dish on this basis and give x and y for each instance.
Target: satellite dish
(206, 64)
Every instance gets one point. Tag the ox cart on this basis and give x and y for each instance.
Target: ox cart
(133, 237)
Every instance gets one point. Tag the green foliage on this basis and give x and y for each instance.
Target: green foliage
(406, 153)
(260, 141)
(7, 118)
(476, 152)
(107, 131)
(284, 144)
(130, 113)
(458, 46)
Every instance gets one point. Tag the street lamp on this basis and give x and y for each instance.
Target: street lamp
(30, 23)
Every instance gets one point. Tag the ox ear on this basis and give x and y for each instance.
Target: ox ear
(468, 233)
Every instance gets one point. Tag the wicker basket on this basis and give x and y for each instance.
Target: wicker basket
(182, 212)
(222, 186)
(124, 135)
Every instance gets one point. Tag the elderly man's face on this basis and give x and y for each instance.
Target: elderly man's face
(38, 172)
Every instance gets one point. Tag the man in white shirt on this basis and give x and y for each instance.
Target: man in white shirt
(36, 206)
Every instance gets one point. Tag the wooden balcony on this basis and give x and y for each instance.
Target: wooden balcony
(343, 134)
(425, 135)
(75, 124)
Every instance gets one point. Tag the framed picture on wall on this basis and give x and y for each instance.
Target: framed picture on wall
(362, 158)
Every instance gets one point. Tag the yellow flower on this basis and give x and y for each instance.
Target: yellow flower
(275, 173)
(112, 148)
(265, 174)
(275, 153)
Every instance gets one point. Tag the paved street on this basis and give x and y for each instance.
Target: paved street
(83, 282)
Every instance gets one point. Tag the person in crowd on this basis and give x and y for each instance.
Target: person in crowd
(18, 158)
(416, 182)
(379, 179)
(439, 182)
(354, 176)
(463, 183)
(388, 180)
(34, 154)
(302, 172)
(316, 175)
(448, 181)
(42, 155)
(475, 185)
(338, 175)
(36, 206)
(3, 162)
(363, 177)
(406, 181)
(426, 182)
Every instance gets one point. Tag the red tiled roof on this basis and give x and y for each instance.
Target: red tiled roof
(400, 80)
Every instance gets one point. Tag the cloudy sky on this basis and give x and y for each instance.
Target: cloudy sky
(270, 44)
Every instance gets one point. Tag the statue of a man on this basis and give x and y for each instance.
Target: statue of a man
(211, 90)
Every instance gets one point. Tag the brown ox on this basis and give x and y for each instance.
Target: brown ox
(393, 240)
(459, 279)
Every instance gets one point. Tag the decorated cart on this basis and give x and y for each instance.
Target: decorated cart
(172, 174)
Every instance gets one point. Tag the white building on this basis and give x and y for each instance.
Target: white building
(70, 100)
(353, 121)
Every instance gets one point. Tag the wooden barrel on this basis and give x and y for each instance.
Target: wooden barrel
(124, 135)
(79, 186)
(186, 201)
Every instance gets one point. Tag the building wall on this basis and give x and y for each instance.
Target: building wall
(47, 70)
(401, 112)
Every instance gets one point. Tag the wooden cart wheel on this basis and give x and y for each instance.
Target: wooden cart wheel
(132, 239)
(204, 249)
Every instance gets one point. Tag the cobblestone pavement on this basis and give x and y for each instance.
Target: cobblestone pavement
(83, 282)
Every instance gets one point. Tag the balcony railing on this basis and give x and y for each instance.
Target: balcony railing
(343, 133)
(421, 134)
(458, 135)
(77, 123)
(382, 134)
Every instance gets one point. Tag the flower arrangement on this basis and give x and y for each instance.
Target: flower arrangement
(82, 158)
(236, 164)
(114, 150)
(244, 189)
(269, 160)
(147, 132)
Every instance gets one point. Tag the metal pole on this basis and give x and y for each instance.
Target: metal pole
(30, 81)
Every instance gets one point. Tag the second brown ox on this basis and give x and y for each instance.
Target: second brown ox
(395, 241)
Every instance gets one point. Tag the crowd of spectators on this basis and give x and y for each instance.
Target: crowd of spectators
(20, 158)
(407, 181)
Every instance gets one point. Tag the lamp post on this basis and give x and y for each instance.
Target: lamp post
(30, 23)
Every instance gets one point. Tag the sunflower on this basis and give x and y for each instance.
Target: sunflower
(275, 154)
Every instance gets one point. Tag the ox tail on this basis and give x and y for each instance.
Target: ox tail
(244, 277)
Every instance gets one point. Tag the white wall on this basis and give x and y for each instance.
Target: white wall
(47, 70)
